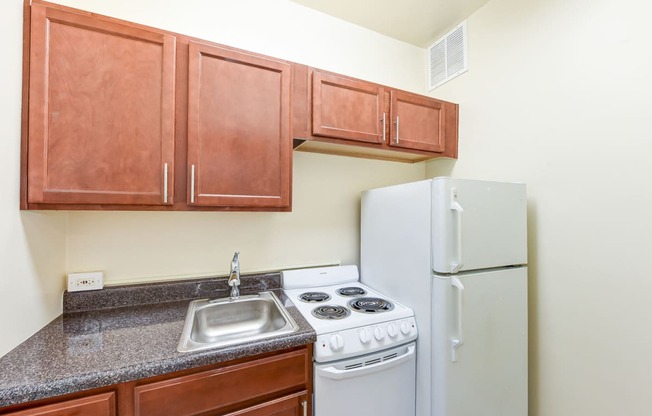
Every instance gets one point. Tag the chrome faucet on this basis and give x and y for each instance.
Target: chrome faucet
(234, 276)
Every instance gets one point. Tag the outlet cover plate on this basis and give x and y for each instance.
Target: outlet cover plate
(85, 281)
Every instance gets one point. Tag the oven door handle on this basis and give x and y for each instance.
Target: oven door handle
(335, 374)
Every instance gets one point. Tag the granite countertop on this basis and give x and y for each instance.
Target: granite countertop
(125, 333)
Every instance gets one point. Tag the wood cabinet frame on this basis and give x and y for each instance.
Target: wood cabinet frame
(176, 125)
(310, 134)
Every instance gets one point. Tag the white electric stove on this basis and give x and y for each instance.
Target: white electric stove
(365, 351)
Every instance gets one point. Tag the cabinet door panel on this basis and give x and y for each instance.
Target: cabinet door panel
(97, 405)
(238, 129)
(285, 406)
(220, 389)
(417, 122)
(345, 108)
(101, 111)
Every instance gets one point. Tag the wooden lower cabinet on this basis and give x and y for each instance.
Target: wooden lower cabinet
(95, 405)
(224, 389)
(292, 405)
(274, 384)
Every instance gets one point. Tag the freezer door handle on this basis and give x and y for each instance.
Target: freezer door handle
(455, 206)
(336, 374)
(458, 339)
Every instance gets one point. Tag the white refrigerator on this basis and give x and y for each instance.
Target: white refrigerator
(455, 251)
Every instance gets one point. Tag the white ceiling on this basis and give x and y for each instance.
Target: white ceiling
(419, 22)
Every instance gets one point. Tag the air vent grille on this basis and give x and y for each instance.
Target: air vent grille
(372, 361)
(448, 57)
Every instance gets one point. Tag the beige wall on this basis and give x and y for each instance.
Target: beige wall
(558, 96)
(32, 245)
(321, 229)
(40, 248)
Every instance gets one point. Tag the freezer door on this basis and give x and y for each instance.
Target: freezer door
(477, 225)
(480, 349)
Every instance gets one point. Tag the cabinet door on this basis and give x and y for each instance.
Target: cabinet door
(417, 122)
(101, 111)
(226, 388)
(294, 405)
(239, 144)
(97, 405)
(345, 108)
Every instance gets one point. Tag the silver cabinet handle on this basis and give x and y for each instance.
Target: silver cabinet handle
(384, 128)
(165, 183)
(192, 184)
(304, 405)
(397, 126)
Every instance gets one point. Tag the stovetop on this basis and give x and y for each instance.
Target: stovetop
(350, 319)
(367, 309)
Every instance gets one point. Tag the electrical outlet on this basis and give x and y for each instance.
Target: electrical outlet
(85, 281)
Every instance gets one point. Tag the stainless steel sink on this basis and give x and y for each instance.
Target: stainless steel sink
(223, 322)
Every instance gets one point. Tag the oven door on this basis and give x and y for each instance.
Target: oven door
(379, 384)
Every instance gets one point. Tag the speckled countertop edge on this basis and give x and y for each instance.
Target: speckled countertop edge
(87, 348)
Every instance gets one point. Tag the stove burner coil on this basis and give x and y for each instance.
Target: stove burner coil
(330, 312)
(371, 305)
(351, 291)
(314, 297)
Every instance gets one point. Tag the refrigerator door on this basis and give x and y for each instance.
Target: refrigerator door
(477, 225)
(479, 337)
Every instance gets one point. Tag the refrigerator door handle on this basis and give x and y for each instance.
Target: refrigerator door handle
(455, 206)
(458, 340)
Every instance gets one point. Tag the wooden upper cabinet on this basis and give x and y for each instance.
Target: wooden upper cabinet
(417, 122)
(336, 114)
(101, 111)
(345, 108)
(239, 144)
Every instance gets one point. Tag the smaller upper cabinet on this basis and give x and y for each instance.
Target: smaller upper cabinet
(101, 111)
(341, 115)
(347, 109)
(239, 144)
(418, 122)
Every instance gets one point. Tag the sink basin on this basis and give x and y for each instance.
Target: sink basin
(223, 322)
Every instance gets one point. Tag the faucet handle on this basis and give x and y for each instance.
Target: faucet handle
(235, 263)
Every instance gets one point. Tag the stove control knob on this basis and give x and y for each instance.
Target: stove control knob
(392, 330)
(405, 327)
(379, 333)
(336, 342)
(365, 335)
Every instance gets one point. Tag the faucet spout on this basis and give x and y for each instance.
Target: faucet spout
(234, 276)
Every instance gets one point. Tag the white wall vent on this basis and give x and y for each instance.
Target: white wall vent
(447, 57)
